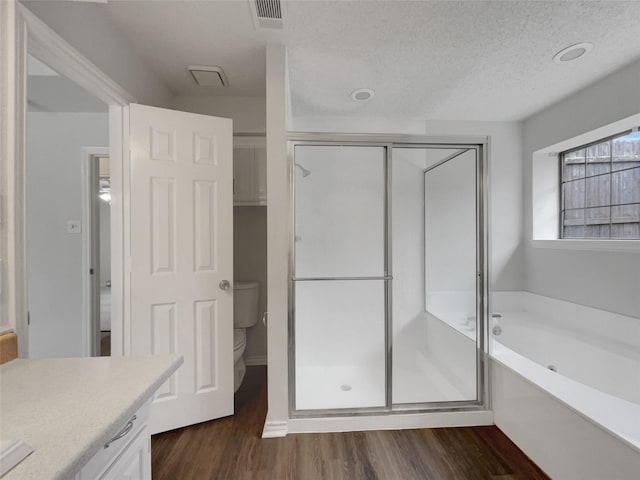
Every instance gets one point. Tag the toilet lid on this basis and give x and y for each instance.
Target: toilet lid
(239, 338)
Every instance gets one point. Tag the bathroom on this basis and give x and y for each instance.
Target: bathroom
(526, 270)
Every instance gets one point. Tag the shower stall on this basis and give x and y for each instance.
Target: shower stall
(388, 290)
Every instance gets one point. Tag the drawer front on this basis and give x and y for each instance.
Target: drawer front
(101, 461)
(134, 463)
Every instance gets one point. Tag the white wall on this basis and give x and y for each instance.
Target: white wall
(248, 113)
(87, 27)
(408, 249)
(357, 125)
(450, 212)
(605, 280)
(54, 142)
(505, 190)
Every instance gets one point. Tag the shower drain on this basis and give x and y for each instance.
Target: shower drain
(345, 387)
(552, 368)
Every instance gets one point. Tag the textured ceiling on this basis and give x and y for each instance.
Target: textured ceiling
(455, 60)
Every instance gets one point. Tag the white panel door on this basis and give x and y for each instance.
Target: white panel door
(181, 251)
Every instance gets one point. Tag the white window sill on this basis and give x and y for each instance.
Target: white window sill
(589, 245)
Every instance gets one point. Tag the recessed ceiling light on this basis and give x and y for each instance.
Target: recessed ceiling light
(208, 75)
(363, 94)
(573, 52)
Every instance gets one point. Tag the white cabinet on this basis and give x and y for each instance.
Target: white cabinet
(135, 462)
(249, 170)
(128, 454)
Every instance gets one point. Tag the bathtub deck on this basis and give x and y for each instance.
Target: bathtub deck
(231, 448)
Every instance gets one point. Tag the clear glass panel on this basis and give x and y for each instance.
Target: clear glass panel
(626, 151)
(597, 216)
(598, 191)
(598, 158)
(626, 186)
(573, 194)
(596, 231)
(625, 221)
(573, 171)
(434, 347)
(626, 231)
(340, 349)
(573, 164)
(339, 201)
(576, 231)
(597, 222)
(574, 217)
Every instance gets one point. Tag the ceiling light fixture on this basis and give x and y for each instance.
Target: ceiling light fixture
(363, 94)
(208, 75)
(573, 52)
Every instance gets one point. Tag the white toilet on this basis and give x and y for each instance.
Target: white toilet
(245, 315)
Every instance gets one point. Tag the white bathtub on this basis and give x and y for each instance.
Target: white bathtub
(583, 420)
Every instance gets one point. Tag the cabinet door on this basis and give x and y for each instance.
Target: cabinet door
(135, 461)
(249, 171)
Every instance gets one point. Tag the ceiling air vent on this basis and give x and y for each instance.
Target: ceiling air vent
(266, 13)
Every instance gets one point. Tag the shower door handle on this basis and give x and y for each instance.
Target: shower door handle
(224, 285)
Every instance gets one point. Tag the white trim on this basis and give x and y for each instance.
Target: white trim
(90, 332)
(390, 422)
(120, 219)
(278, 225)
(57, 53)
(545, 193)
(589, 245)
(8, 150)
(275, 429)
(255, 360)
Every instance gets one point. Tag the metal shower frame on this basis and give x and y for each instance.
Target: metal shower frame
(481, 145)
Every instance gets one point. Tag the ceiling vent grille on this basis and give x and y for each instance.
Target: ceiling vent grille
(266, 13)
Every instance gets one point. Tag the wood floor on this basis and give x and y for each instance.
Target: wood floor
(231, 448)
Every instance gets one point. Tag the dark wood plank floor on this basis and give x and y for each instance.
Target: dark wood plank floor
(231, 448)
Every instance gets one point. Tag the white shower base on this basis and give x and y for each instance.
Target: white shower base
(321, 387)
(416, 379)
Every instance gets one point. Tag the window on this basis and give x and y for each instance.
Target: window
(600, 189)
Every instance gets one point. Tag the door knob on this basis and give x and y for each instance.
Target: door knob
(225, 285)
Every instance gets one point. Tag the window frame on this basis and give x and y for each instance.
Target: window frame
(561, 182)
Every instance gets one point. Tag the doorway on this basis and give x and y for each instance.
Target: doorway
(62, 119)
(97, 248)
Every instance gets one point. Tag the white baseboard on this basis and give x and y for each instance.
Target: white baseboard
(390, 422)
(275, 429)
(255, 360)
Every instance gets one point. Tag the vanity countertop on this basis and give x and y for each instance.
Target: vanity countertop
(67, 408)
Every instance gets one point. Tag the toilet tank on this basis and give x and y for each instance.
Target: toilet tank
(245, 304)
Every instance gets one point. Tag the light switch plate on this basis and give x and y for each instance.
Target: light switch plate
(74, 226)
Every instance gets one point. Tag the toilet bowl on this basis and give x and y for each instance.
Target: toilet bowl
(239, 367)
(245, 315)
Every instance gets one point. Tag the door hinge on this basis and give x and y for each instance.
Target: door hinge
(28, 318)
(91, 271)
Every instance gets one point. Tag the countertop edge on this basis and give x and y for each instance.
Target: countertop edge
(102, 437)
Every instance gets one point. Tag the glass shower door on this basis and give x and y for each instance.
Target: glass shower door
(435, 281)
(339, 277)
